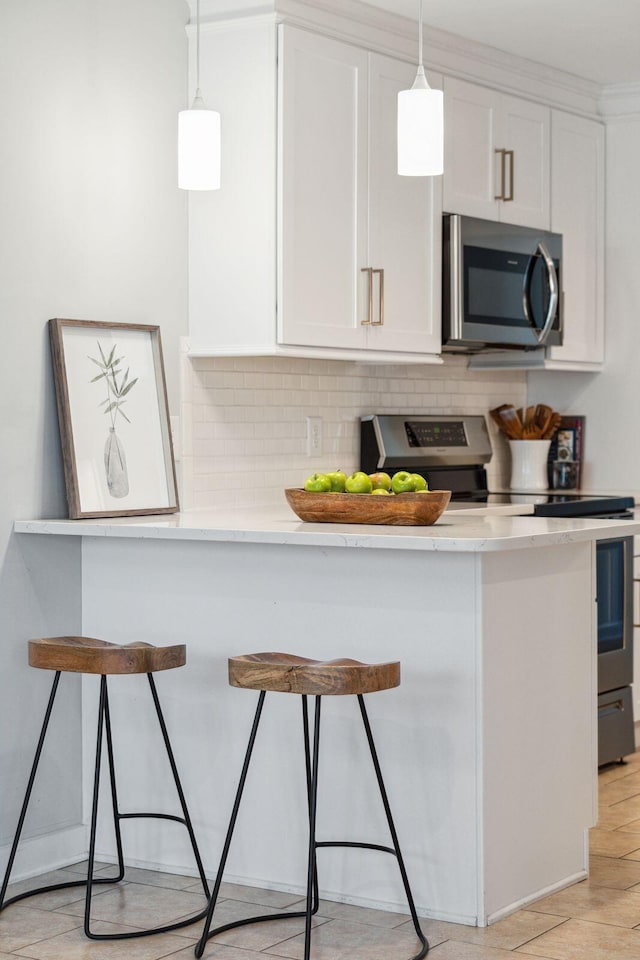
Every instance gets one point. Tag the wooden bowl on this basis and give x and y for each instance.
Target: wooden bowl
(403, 509)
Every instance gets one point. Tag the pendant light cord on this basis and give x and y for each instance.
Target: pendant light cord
(198, 94)
(420, 64)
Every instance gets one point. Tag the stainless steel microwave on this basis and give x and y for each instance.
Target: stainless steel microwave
(502, 286)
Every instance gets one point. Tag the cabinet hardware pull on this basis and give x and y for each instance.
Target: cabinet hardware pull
(380, 321)
(369, 321)
(607, 709)
(509, 153)
(503, 172)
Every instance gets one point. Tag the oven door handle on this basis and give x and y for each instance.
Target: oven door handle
(542, 333)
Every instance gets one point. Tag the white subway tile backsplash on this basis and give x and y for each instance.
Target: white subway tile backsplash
(244, 419)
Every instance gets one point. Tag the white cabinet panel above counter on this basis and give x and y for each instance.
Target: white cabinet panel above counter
(355, 249)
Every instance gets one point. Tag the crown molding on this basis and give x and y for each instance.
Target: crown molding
(620, 102)
(363, 25)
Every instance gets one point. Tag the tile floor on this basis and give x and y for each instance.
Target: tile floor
(598, 919)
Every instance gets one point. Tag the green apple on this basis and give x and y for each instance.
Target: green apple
(419, 483)
(402, 482)
(317, 483)
(381, 492)
(338, 480)
(380, 481)
(358, 482)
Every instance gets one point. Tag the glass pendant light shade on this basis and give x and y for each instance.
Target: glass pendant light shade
(198, 148)
(420, 124)
(420, 130)
(198, 137)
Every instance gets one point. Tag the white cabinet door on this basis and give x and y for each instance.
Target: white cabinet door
(496, 156)
(404, 226)
(471, 115)
(322, 188)
(577, 212)
(525, 138)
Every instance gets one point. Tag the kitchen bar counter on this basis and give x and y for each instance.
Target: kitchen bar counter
(489, 746)
(463, 528)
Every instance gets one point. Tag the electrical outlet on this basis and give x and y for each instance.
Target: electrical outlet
(314, 436)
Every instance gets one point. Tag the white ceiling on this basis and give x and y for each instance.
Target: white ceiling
(595, 39)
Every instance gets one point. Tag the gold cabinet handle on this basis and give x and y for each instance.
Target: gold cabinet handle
(380, 321)
(508, 153)
(503, 172)
(369, 321)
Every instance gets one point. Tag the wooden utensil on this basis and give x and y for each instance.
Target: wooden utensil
(496, 415)
(543, 417)
(512, 424)
(553, 425)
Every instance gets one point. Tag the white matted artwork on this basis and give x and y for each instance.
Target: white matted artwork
(114, 419)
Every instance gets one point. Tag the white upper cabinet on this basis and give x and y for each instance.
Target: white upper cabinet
(497, 156)
(577, 212)
(323, 190)
(340, 256)
(360, 247)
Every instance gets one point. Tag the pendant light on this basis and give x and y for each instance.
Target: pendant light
(198, 138)
(420, 124)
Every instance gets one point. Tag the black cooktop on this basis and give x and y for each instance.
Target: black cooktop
(565, 504)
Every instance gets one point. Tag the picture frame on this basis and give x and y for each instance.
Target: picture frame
(567, 444)
(113, 416)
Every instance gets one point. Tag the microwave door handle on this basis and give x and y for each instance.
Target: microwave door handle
(541, 333)
(553, 291)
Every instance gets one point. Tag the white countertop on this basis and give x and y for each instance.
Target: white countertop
(461, 529)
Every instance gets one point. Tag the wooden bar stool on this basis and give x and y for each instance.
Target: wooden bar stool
(86, 655)
(284, 673)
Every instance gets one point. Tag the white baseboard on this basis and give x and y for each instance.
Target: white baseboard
(538, 895)
(51, 851)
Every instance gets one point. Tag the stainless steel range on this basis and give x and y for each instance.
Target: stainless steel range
(451, 453)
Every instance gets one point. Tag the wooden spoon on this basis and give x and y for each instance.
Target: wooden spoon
(496, 415)
(543, 417)
(553, 425)
(512, 424)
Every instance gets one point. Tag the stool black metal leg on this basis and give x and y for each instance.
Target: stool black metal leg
(176, 778)
(394, 835)
(307, 757)
(94, 808)
(199, 950)
(27, 796)
(114, 794)
(311, 869)
(104, 724)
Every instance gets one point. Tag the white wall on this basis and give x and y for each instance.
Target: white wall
(610, 399)
(92, 226)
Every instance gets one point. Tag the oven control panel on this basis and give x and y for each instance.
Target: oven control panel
(436, 433)
(415, 441)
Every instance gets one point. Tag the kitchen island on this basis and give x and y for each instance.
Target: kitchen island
(489, 745)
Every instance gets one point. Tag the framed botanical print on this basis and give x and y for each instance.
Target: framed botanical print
(114, 419)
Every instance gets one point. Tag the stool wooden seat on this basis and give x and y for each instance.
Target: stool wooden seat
(286, 673)
(88, 655)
